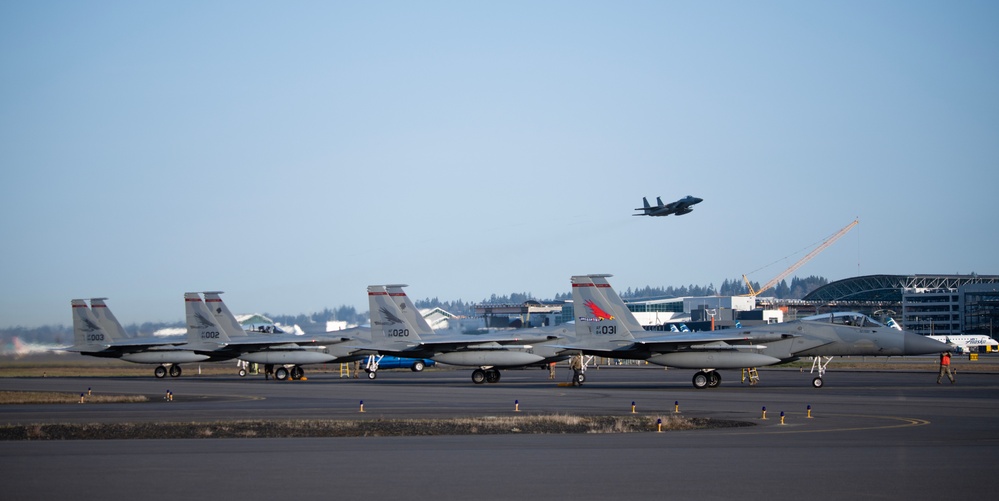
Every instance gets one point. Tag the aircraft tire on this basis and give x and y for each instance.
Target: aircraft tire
(478, 376)
(492, 376)
(700, 380)
(817, 382)
(714, 379)
(160, 372)
(280, 374)
(372, 374)
(242, 373)
(580, 379)
(175, 371)
(418, 366)
(297, 372)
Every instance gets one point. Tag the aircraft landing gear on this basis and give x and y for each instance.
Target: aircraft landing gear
(160, 372)
(708, 378)
(297, 372)
(371, 366)
(280, 374)
(175, 371)
(480, 376)
(819, 365)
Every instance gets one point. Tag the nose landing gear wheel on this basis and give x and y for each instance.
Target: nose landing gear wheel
(372, 374)
(817, 382)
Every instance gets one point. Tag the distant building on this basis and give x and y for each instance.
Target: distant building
(928, 304)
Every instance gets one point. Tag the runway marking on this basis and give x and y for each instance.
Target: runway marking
(906, 422)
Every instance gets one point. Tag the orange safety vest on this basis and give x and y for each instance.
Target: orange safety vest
(945, 359)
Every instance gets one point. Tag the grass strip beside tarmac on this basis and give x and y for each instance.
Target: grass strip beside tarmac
(52, 397)
(538, 424)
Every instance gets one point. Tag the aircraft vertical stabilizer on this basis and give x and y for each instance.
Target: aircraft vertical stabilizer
(388, 324)
(202, 329)
(226, 320)
(112, 327)
(88, 336)
(409, 310)
(595, 312)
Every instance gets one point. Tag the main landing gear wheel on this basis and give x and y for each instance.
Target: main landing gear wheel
(817, 382)
(580, 378)
(175, 371)
(372, 374)
(280, 374)
(492, 376)
(297, 373)
(160, 372)
(701, 380)
(714, 379)
(478, 376)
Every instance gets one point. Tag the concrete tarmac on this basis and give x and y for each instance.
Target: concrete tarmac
(873, 435)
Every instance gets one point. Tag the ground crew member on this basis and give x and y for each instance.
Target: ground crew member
(945, 367)
(551, 370)
(576, 364)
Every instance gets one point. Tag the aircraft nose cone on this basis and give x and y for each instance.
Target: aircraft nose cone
(916, 344)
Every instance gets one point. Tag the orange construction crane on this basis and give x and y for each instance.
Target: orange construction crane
(829, 241)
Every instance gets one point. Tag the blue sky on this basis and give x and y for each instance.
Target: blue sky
(291, 153)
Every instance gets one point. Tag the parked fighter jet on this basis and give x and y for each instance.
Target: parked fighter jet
(605, 327)
(398, 329)
(97, 333)
(288, 351)
(680, 207)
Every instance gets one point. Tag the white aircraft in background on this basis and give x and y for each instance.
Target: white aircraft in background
(969, 343)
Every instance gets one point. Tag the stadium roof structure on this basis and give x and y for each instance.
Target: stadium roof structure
(889, 288)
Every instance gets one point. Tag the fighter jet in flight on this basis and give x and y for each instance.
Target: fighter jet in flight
(680, 207)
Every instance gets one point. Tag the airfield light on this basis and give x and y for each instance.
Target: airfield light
(362, 405)
(676, 406)
(659, 425)
(632, 406)
(516, 406)
(764, 412)
(809, 409)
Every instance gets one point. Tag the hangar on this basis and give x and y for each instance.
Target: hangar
(927, 304)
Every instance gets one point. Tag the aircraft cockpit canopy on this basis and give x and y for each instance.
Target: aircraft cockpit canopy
(845, 318)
